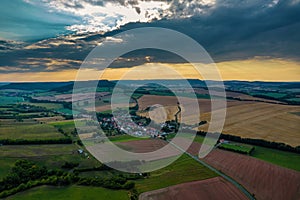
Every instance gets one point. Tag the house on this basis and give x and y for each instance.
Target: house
(222, 141)
(80, 151)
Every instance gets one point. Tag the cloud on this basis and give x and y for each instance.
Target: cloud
(234, 30)
(228, 29)
(9, 45)
(27, 22)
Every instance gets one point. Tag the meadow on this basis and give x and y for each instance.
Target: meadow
(30, 132)
(185, 169)
(50, 106)
(281, 158)
(125, 138)
(67, 125)
(4, 100)
(266, 120)
(52, 156)
(71, 192)
(241, 148)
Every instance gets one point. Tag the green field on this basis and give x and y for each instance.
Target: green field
(242, 148)
(72, 192)
(52, 156)
(281, 158)
(50, 106)
(30, 132)
(6, 164)
(125, 138)
(185, 169)
(67, 111)
(68, 125)
(13, 122)
(269, 94)
(294, 99)
(10, 100)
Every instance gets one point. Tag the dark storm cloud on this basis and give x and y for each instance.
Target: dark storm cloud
(238, 30)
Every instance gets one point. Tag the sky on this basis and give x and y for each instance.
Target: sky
(47, 40)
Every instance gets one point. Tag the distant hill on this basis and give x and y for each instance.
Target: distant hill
(34, 86)
(83, 84)
(2, 84)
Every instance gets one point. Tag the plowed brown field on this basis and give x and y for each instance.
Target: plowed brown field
(215, 188)
(266, 181)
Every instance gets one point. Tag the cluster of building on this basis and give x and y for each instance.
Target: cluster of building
(125, 124)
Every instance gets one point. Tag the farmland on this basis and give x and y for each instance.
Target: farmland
(53, 156)
(281, 158)
(50, 106)
(171, 107)
(248, 116)
(248, 119)
(245, 149)
(213, 188)
(270, 122)
(264, 180)
(30, 132)
(72, 192)
(10, 100)
(185, 169)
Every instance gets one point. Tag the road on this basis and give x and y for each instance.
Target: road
(235, 183)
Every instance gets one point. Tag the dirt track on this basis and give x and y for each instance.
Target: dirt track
(215, 188)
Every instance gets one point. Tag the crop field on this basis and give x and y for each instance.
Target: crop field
(10, 100)
(270, 94)
(125, 138)
(185, 169)
(72, 192)
(237, 147)
(52, 156)
(270, 122)
(49, 119)
(35, 131)
(264, 180)
(67, 111)
(282, 158)
(67, 125)
(171, 107)
(104, 104)
(213, 188)
(233, 94)
(294, 99)
(27, 151)
(50, 106)
(13, 122)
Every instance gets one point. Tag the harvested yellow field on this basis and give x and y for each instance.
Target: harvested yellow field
(170, 106)
(271, 122)
(266, 121)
